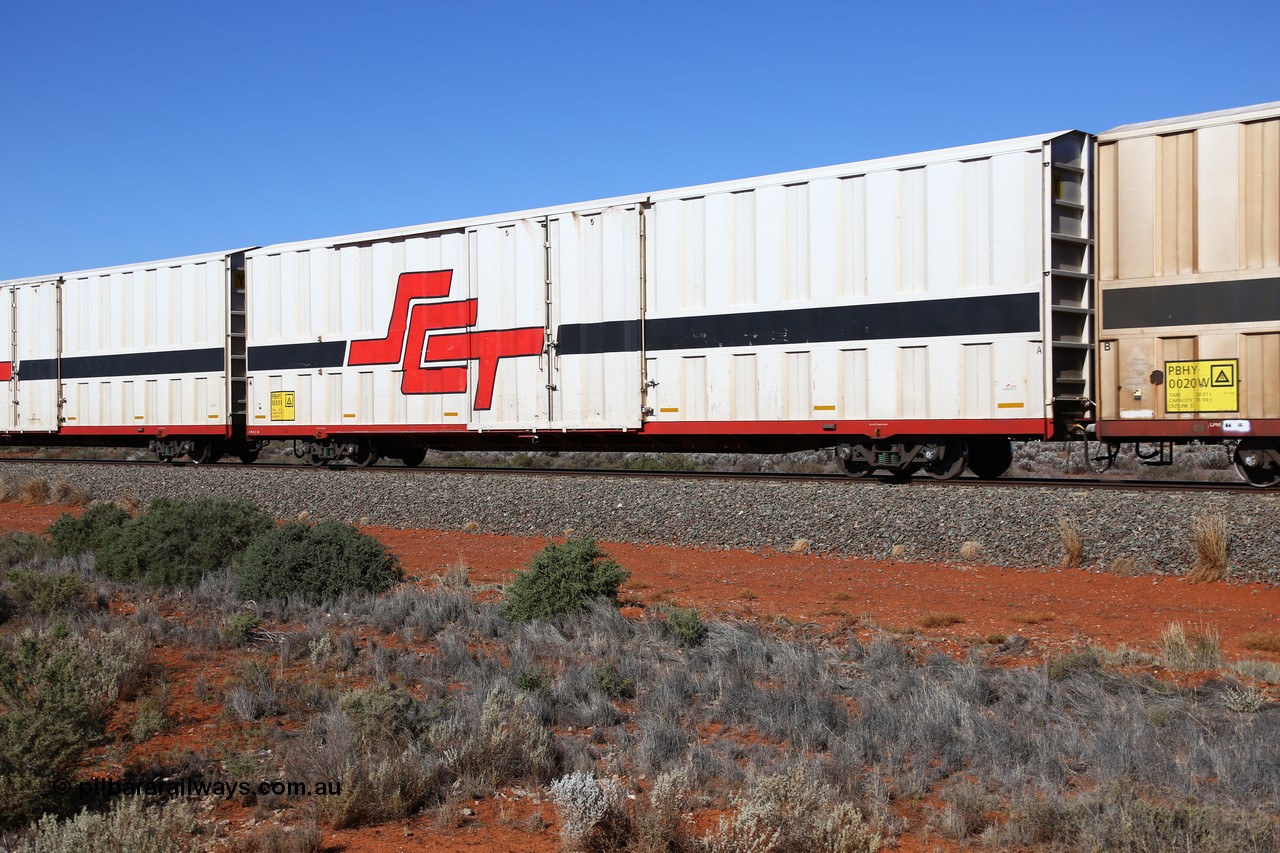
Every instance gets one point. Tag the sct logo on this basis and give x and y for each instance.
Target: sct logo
(419, 324)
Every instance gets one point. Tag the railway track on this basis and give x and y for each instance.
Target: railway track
(964, 481)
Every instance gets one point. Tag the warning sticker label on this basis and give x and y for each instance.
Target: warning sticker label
(1211, 385)
(282, 405)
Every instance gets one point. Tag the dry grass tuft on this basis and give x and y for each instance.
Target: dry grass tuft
(1033, 618)
(471, 527)
(1198, 649)
(970, 550)
(1260, 641)
(1209, 535)
(303, 515)
(129, 504)
(1123, 567)
(8, 490)
(1072, 544)
(939, 620)
(66, 493)
(747, 595)
(897, 551)
(456, 577)
(800, 546)
(33, 491)
(365, 521)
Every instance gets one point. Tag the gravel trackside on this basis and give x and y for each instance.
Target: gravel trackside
(1015, 527)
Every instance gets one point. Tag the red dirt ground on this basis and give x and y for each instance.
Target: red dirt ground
(1052, 608)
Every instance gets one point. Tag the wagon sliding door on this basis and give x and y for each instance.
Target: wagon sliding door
(8, 357)
(595, 319)
(505, 348)
(32, 335)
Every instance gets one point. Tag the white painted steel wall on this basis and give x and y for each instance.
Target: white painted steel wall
(347, 292)
(162, 311)
(595, 274)
(29, 333)
(920, 230)
(966, 222)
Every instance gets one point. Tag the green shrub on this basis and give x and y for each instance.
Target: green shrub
(562, 579)
(238, 629)
(613, 683)
(150, 720)
(532, 680)
(49, 719)
(385, 712)
(18, 548)
(31, 591)
(91, 530)
(687, 625)
(176, 543)
(318, 563)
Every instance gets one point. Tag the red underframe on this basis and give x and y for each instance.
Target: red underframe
(1036, 427)
(169, 429)
(1183, 429)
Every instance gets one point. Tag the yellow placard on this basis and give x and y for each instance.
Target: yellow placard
(1208, 385)
(282, 405)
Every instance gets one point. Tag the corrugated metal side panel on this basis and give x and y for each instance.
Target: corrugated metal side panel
(166, 318)
(317, 295)
(920, 232)
(508, 278)
(36, 310)
(1196, 202)
(9, 387)
(595, 275)
(1189, 254)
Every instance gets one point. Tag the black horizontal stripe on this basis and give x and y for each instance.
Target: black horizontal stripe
(609, 336)
(298, 356)
(1209, 303)
(932, 318)
(211, 360)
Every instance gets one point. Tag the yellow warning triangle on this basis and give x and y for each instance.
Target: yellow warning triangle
(1222, 378)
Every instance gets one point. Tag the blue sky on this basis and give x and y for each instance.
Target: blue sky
(134, 131)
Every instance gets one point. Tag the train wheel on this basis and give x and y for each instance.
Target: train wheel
(249, 455)
(314, 454)
(366, 454)
(205, 452)
(990, 457)
(856, 468)
(1256, 465)
(950, 463)
(412, 456)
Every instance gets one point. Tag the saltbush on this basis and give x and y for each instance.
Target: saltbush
(99, 524)
(49, 720)
(563, 579)
(19, 548)
(240, 628)
(317, 562)
(176, 543)
(130, 824)
(687, 625)
(33, 591)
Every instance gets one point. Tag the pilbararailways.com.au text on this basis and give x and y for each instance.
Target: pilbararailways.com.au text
(102, 786)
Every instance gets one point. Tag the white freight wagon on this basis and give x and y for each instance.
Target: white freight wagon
(145, 353)
(918, 310)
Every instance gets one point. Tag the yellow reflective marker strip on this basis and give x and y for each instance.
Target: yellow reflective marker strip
(1010, 405)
